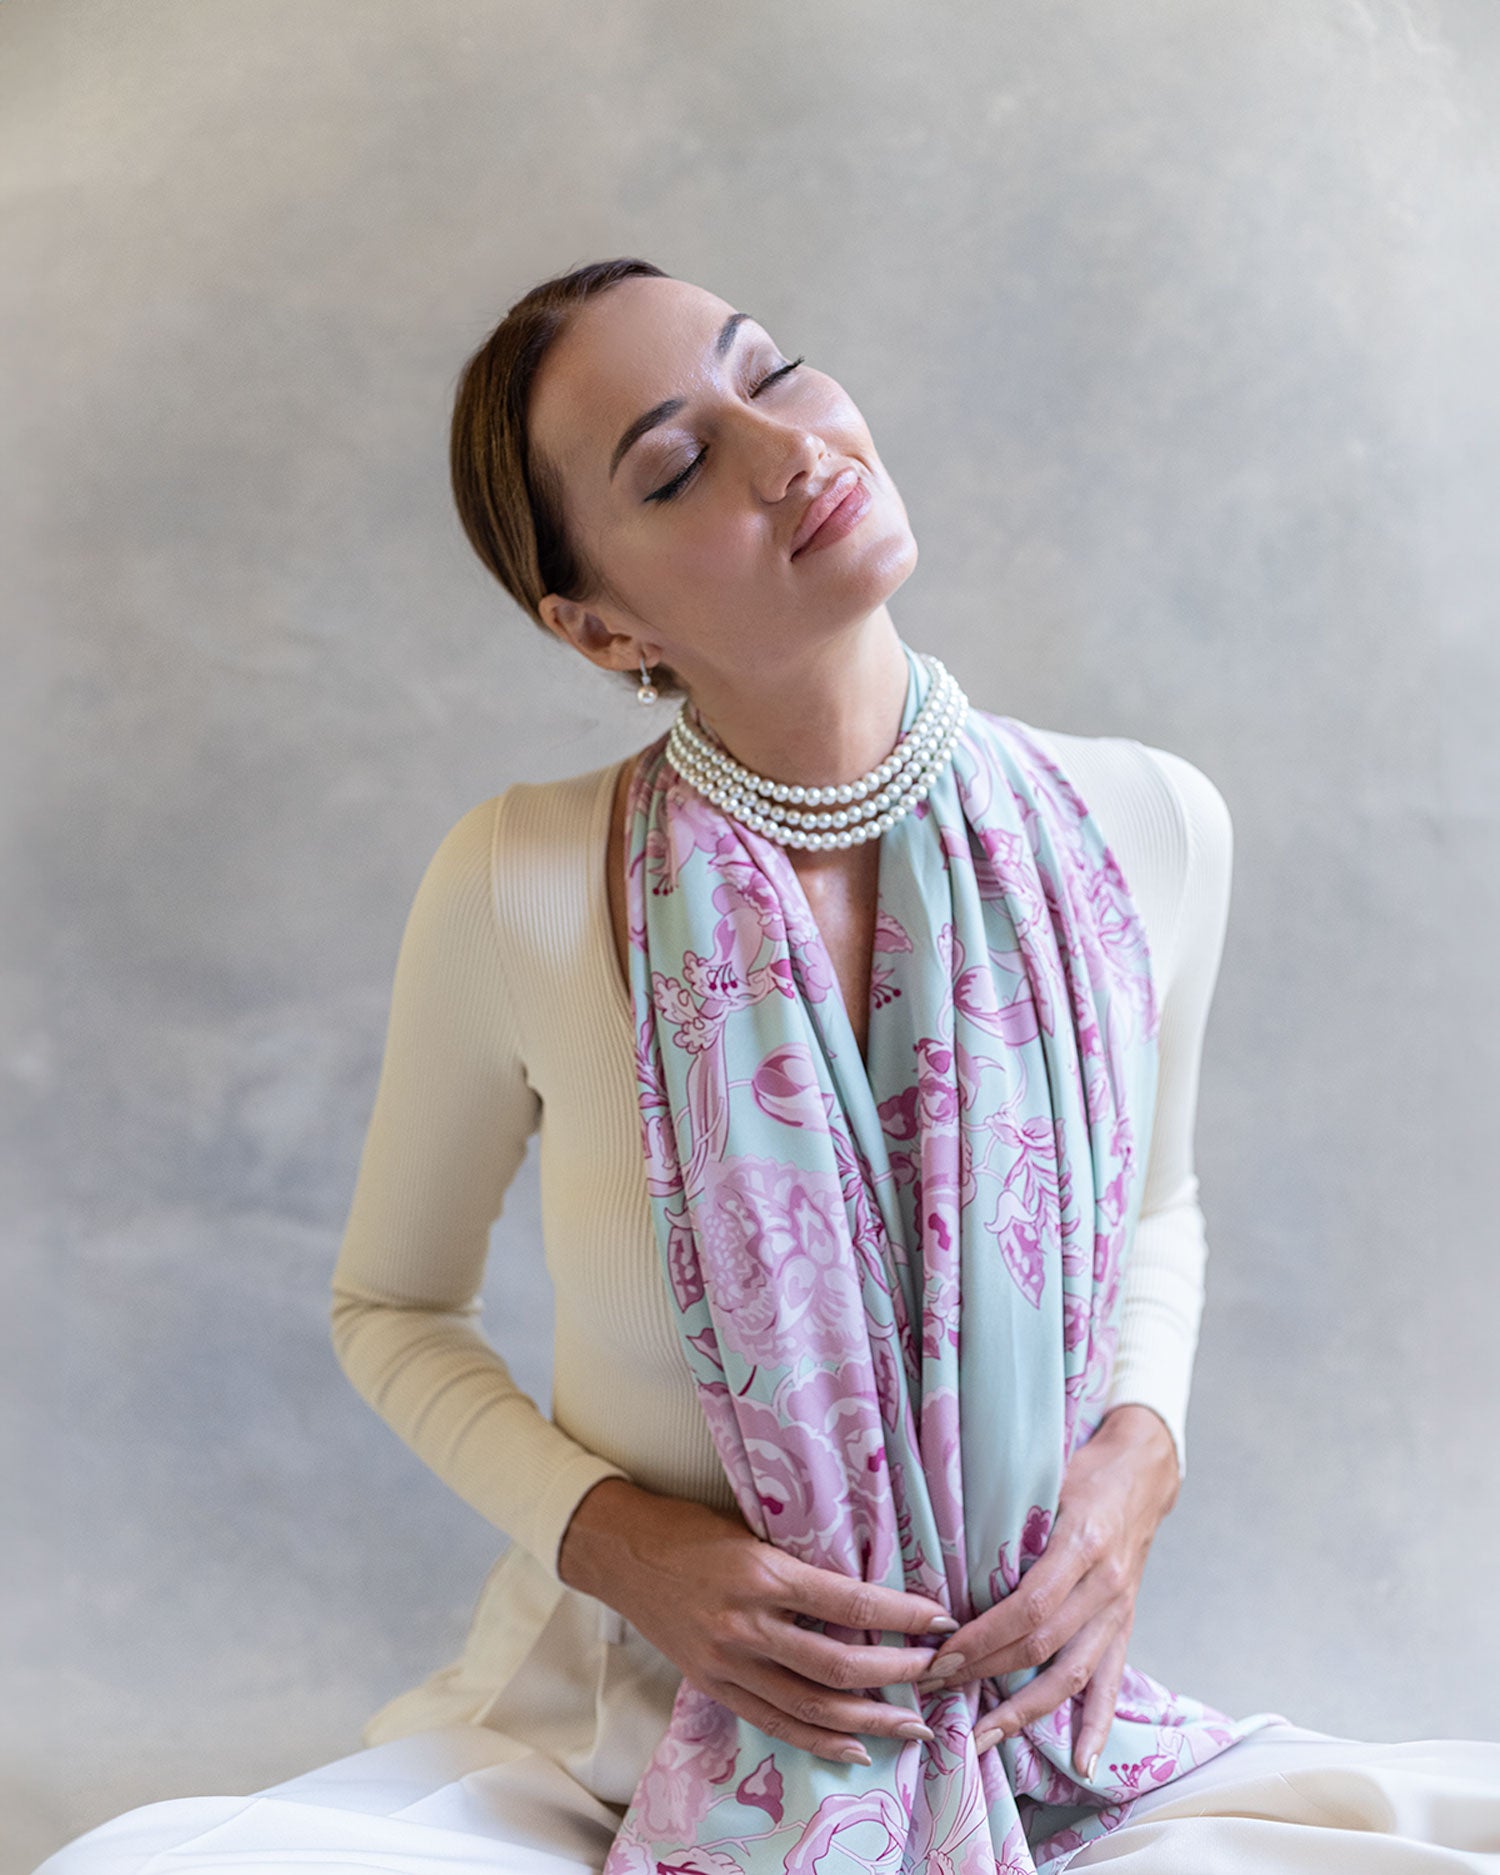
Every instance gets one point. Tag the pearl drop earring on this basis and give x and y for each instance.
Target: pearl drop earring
(647, 691)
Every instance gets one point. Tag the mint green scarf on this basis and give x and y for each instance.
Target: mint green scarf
(834, 1231)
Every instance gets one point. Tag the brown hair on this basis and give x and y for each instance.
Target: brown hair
(509, 497)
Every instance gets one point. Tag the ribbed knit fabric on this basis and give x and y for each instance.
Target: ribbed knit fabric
(509, 1014)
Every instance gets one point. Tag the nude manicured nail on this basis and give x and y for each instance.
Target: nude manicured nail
(855, 1754)
(943, 1624)
(914, 1728)
(942, 1671)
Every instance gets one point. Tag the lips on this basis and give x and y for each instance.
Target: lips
(821, 506)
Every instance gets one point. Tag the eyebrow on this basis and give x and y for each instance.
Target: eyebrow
(669, 408)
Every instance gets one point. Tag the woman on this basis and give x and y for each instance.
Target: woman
(882, 1365)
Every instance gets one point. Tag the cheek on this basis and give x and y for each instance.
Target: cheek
(839, 415)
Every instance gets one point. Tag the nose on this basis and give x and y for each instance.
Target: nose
(787, 452)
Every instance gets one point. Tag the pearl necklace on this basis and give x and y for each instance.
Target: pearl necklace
(860, 810)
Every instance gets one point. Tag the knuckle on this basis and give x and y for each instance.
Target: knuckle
(1037, 1647)
(1040, 1603)
(810, 1708)
(862, 1607)
(726, 1632)
(764, 1578)
(1116, 1575)
(842, 1671)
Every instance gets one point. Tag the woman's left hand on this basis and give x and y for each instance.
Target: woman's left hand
(1077, 1601)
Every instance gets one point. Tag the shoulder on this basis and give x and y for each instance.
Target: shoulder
(1205, 812)
(1166, 822)
(523, 833)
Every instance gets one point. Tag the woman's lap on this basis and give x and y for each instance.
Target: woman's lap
(468, 1800)
(462, 1800)
(1292, 1801)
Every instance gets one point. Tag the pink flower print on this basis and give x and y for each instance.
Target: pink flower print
(1077, 1312)
(890, 936)
(845, 1810)
(696, 1860)
(898, 1114)
(1005, 1578)
(1020, 1235)
(663, 1172)
(774, 1244)
(937, 1099)
(941, 1311)
(695, 1029)
(682, 1262)
(942, 1464)
(1015, 1022)
(697, 1751)
(762, 1788)
(1004, 874)
(821, 1442)
(720, 1411)
(786, 1086)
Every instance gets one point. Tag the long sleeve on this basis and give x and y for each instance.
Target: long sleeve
(452, 1115)
(1162, 1302)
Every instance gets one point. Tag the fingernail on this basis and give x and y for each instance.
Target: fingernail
(942, 1624)
(914, 1728)
(1089, 1773)
(855, 1754)
(945, 1668)
(983, 1740)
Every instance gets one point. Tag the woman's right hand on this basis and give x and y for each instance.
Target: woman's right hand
(722, 1604)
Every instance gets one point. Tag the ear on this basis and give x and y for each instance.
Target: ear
(589, 632)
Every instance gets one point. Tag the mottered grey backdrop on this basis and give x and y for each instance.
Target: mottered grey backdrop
(1175, 326)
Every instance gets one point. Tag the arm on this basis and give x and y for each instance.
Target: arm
(1162, 1302)
(453, 1112)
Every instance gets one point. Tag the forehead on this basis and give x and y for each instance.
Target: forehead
(638, 342)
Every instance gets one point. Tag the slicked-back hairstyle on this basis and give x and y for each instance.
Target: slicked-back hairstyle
(509, 497)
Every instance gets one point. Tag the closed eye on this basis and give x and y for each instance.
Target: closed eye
(670, 489)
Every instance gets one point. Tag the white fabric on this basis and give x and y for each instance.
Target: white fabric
(465, 1800)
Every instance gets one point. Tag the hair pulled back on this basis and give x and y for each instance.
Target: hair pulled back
(509, 497)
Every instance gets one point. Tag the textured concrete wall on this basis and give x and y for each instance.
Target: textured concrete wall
(1174, 325)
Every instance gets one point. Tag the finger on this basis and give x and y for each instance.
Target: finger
(823, 1708)
(847, 1602)
(1072, 1549)
(775, 1723)
(847, 1665)
(1067, 1675)
(1100, 1698)
(1093, 1595)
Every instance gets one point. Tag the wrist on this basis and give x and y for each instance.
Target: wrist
(588, 1555)
(1142, 1430)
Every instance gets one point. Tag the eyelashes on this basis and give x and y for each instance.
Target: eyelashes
(670, 489)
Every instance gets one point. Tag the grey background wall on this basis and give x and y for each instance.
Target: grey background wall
(1174, 325)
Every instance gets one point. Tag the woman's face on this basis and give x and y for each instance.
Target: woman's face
(691, 514)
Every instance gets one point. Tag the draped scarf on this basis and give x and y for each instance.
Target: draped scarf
(896, 1281)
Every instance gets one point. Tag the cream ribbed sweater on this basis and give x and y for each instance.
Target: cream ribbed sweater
(509, 1014)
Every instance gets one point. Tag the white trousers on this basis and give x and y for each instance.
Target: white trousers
(467, 1800)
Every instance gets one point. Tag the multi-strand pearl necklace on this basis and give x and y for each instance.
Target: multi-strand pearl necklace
(857, 810)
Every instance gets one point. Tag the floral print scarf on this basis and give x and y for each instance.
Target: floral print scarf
(897, 1280)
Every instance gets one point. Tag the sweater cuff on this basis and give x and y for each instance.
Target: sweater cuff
(553, 1511)
(1159, 1319)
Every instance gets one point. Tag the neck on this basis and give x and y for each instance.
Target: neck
(828, 718)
